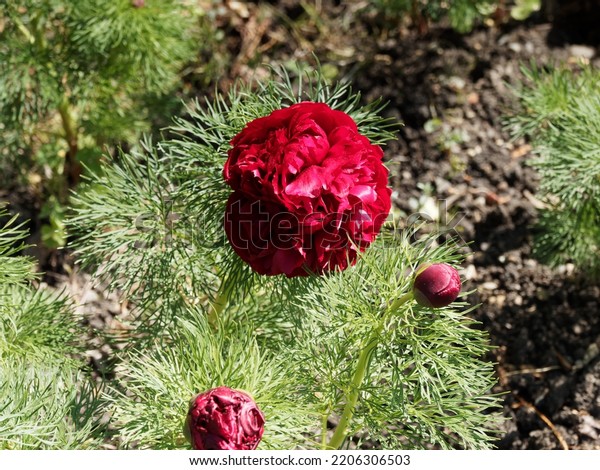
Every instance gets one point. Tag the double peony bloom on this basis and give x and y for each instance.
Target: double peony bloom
(309, 191)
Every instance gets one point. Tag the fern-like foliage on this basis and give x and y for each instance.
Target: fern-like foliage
(560, 113)
(46, 400)
(46, 406)
(78, 78)
(88, 52)
(16, 270)
(142, 46)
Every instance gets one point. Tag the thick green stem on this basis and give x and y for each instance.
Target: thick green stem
(352, 399)
(359, 375)
(396, 304)
(39, 32)
(72, 168)
(324, 421)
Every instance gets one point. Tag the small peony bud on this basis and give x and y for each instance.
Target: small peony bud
(224, 419)
(436, 285)
(138, 3)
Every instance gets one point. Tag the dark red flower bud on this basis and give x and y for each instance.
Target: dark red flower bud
(224, 419)
(436, 285)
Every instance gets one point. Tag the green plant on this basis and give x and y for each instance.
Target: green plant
(461, 14)
(525, 8)
(79, 77)
(46, 400)
(560, 113)
(350, 346)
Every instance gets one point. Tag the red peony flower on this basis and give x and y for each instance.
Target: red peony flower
(436, 285)
(309, 191)
(224, 419)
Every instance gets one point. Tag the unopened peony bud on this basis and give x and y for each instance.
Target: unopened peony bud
(224, 419)
(436, 285)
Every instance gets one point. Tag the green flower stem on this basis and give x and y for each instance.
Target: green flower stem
(324, 421)
(220, 302)
(359, 375)
(352, 399)
(30, 38)
(39, 32)
(400, 301)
